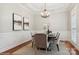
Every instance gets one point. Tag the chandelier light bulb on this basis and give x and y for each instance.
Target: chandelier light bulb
(45, 13)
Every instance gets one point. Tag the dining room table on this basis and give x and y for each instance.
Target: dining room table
(51, 36)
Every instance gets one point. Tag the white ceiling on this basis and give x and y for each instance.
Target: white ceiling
(49, 6)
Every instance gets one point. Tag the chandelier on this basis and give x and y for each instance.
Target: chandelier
(45, 13)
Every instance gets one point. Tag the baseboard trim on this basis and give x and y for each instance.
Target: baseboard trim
(10, 51)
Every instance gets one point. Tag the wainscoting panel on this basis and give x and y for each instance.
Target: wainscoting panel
(11, 39)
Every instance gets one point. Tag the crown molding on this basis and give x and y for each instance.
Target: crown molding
(71, 5)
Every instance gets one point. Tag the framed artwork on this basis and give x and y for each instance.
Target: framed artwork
(17, 22)
(25, 23)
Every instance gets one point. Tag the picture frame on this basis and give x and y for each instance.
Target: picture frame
(25, 23)
(17, 22)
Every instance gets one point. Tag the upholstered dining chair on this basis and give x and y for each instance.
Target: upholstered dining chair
(41, 40)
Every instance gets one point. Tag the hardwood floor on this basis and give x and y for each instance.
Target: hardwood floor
(66, 48)
(72, 48)
(28, 50)
(10, 51)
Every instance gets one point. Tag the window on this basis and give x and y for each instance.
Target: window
(74, 28)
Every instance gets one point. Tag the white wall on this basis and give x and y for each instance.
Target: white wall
(6, 11)
(8, 37)
(58, 22)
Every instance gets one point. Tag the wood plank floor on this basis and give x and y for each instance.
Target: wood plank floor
(28, 50)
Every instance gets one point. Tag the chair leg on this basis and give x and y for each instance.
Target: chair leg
(32, 45)
(46, 50)
(57, 46)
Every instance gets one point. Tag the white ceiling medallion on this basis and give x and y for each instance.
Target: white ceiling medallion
(45, 13)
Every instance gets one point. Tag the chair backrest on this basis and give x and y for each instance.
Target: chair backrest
(57, 35)
(57, 38)
(40, 40)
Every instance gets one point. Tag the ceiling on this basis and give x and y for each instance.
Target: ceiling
(49, 6)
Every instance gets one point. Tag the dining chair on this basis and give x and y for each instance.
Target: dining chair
(41, 41)
(56, 40)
